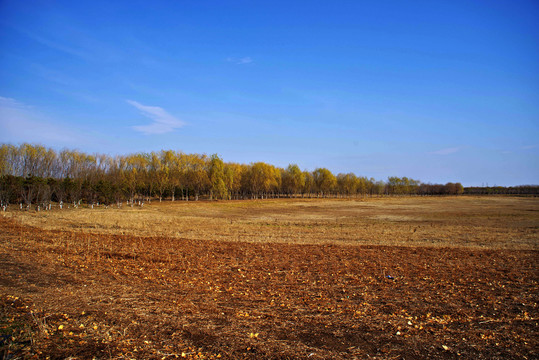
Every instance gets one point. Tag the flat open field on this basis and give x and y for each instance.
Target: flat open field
(381, 278)
(503, 222)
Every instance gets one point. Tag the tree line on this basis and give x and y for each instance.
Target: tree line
(503, 190)
(33, 174)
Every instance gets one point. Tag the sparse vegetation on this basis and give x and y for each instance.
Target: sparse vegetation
(276, 279)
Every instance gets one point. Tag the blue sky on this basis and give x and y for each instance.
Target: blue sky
(434, 90)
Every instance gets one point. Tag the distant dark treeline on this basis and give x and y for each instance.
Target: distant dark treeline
(502, 190)
(33, 174)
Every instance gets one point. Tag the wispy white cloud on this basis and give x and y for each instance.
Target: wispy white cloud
(240, 61)
(20, 122)
(73, 40)
(446, 151)
(162, 123)
(529, 147)
(9, 103)
(53, 44)
(245, 60)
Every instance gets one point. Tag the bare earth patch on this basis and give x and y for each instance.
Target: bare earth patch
(294, 279)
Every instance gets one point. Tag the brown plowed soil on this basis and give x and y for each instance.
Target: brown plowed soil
(79, 295)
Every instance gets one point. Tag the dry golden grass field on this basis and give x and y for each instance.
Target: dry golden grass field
(491, 222)
(383, 278)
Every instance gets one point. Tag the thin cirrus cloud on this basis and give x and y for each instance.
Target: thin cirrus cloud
(74, 41)
(53, 44)
(446, 151)
(162, 123)
(240, 61)
(20, 122)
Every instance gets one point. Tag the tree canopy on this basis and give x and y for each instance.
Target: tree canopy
(34, 174)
